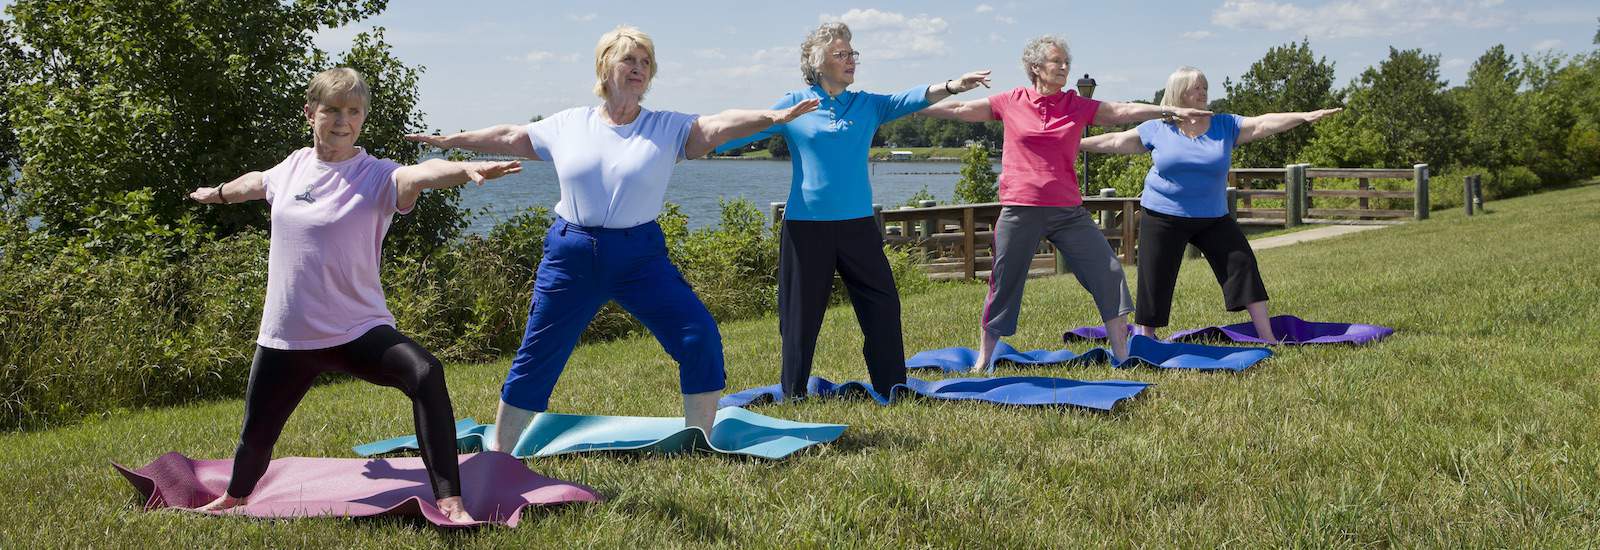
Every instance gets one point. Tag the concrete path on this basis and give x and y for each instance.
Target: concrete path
(1310, 235)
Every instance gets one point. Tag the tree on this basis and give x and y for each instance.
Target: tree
(1398, 114)
(1289, 78)
(978, 180)
(778, 147)
(1494, 136)
(124, 95)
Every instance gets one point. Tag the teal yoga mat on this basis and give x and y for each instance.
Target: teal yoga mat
(737, 431)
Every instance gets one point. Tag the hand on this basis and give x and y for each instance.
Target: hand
(207, 195)
(1190, 115)
(430, 139)
(480, 172)
(785, 115)
(1313, 116)
(971, 81)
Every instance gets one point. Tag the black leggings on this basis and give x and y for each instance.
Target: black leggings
(1162, 240)
(383, 356)
(809, 252)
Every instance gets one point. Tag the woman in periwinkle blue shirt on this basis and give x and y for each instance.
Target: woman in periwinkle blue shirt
(1185, 201)
(828, 223)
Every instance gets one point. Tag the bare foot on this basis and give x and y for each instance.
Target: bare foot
(454, 510)
(223, 502)
(986, 344)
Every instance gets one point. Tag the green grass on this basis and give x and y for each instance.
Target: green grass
(1473, 426)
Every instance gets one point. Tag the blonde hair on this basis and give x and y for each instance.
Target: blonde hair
(615, 45)
(1180, 81)
(814, 51)
(337, 82)
(1034, 54)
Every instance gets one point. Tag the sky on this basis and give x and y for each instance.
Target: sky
(490, 62)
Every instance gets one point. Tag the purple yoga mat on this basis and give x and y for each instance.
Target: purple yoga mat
(1290, 329)
(494, 487)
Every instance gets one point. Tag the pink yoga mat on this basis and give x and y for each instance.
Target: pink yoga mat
(494, 486)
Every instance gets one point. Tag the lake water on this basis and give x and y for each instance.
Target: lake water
(697, 185)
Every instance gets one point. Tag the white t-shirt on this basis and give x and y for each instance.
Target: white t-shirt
(328, 223)
(611, 176)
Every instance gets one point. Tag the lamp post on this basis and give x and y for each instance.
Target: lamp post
(1085, 89)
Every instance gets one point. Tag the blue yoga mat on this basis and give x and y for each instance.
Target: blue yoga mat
(1141, 351)
(1011, 390)
(737, 431)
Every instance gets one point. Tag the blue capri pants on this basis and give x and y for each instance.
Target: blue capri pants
(585, 267)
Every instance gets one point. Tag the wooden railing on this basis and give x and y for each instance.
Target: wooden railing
(958, 240)
(1299, 192)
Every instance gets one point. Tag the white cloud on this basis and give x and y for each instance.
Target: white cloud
(984, 8)
(582, 17)
(1006, 19)
(1548, 44)
(541, 56)
(709, 53)
(1455, 63)
(777, 62)
(1196, 35)
(1361, 18)
(890, 35)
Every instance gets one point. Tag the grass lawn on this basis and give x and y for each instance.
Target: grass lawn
(1474, 426)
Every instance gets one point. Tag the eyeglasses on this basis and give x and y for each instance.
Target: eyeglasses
(851, 55)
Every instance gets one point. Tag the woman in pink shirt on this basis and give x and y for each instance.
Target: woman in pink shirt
(331, 205)
(1039, 190)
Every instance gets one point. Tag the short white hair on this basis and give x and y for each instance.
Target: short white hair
(1180, 81)
(814, 51)
(614, 46)
(1038, 49)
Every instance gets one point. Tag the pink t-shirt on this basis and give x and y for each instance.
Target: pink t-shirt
(1042, 135)
(328, 223)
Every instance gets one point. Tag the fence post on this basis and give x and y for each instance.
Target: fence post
(777, 213)
(877, 217)
(1293, 187)
(1233, 202)
(1420, 174)
(1466, 193)
(1477, 193)
(1129, 226)
(969, 242)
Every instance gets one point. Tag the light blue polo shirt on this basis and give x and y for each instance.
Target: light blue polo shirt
(828, 149)
(1189, 176)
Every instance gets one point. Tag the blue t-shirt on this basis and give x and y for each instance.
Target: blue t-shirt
(828, 149)
(1189, 176)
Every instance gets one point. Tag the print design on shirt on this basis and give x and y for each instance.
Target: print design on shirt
(306, 196)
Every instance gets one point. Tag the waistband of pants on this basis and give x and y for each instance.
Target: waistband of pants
(563, 226)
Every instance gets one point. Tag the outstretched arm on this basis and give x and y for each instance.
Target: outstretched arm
(712, 130)
(1268, 125)
(940, 90)
(976, 110)
(505, 139)
(441, 174)
(1116, 113)
(1126, 142)
(248, 187)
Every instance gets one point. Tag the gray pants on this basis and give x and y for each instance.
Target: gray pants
(1074, 233)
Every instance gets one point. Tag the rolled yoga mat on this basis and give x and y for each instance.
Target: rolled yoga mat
(1013, 390)
(495, 487)
(1290, 329)
(736, 431)
(1141, 351)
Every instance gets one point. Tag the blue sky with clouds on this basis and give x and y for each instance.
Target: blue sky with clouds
(503, 61)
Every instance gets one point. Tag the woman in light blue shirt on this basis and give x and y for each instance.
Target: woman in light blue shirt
(1185, 200)
(613, 162)
(828, 222)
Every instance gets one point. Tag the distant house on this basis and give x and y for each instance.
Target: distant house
(899, 155)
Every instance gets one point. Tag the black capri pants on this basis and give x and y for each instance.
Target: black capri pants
(382, 356)
(1162, 240)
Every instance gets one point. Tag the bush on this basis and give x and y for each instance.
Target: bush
(87, 334)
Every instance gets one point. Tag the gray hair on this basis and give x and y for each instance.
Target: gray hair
(1180, 81)
(814, 51)
(1037, 49)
